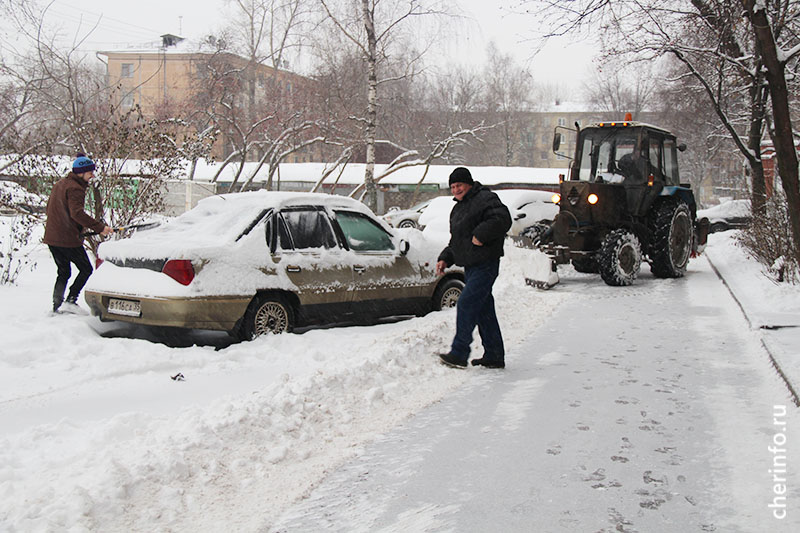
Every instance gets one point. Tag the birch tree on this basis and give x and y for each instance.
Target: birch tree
(373, 28)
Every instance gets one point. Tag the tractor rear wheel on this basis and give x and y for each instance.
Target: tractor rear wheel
(671, 243)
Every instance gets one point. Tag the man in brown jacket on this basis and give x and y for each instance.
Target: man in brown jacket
(66, 219)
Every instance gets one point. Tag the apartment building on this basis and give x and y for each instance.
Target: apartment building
(167, 79)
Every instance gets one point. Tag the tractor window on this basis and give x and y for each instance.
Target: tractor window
(607, 154)
(655, 156)
(671, 175)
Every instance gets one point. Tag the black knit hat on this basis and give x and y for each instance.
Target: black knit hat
(461, 175)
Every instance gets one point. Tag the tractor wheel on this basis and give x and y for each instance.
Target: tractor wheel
(620, 258)
(407, 223)
(267, 314)
(447, 294)
(586, 265)
(671, 243)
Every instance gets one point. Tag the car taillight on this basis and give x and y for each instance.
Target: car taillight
(97, 262)
(180, 270)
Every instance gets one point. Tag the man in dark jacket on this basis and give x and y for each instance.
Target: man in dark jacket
(66, 219)
(478, 225)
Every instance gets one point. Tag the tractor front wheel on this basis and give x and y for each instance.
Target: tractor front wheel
(619, 258)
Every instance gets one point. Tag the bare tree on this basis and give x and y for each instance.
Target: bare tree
(726, 58)
(67, 108)
(506, 97)
(262, 110)
(373, 28)
(619, 88)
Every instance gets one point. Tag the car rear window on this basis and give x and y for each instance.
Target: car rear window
(305, 228)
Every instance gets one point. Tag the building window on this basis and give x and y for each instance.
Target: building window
(127, 101)
(544, 156)
(562, 121)
(127, 70)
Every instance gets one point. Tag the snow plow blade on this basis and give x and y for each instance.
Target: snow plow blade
(540, 271)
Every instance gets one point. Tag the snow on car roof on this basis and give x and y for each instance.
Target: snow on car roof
(217, 220)
(732, 208)
(517, 197)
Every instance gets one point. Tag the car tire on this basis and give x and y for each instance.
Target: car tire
(620, 258)
(267, 314)
(407, 224)
(447, 294)
(671, 244)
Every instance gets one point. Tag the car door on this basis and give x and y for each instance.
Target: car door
(312, 258)
(385, 281)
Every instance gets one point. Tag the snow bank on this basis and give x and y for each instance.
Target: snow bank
(94, 435)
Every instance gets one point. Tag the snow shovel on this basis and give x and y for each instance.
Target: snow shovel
(146, 225)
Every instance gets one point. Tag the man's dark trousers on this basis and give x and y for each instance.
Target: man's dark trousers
(476, 308)
(63, 257)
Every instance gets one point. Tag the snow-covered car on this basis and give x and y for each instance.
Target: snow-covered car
(15, 199)
(265, 262)
(728, 215)
(405, 218)
(528, 207)
(435, 220)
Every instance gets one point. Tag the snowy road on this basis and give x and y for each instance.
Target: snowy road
(647, 408)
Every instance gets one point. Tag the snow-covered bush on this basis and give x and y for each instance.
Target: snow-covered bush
(18, 219)
(769, 240)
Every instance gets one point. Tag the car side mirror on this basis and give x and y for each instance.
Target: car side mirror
(404, 247)
(556, 141)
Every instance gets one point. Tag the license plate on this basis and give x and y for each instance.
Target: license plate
(124, 307)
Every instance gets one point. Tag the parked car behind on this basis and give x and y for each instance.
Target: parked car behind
(728, 215)
(528, 207)
(265, 262)
(405, 218)
(15, 199)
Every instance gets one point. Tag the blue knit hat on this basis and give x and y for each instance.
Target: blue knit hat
(82, 164)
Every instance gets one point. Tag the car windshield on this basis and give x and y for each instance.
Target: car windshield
(606, 153)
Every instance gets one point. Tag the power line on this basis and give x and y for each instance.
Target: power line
(101, 17)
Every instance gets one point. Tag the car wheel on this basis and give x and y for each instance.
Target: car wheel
(620, 258)
(407, 224)
(267, 314)
(447, 294)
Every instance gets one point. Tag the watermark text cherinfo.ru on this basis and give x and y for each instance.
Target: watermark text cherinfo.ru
(778, 471)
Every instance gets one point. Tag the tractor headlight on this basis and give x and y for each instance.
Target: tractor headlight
(556, 198)
(592, 199)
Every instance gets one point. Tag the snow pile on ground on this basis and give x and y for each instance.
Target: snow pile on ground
(95, 434)
(770, 307)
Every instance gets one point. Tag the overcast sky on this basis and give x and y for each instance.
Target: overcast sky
(141, 21)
